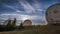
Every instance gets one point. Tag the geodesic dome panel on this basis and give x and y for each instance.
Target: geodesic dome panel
(53, 14)
(27, 23)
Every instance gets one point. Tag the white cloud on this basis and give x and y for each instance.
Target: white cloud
(34, 8)
(9, 7)
(4, 18)
(23, 17)
(12, 8)
(33, 17)
(18, 11)
(9, 14)
(28, 8)
(40, 10)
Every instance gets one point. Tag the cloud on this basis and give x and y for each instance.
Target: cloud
(36, 4)
(9, 6)
(18, 11)
(4, 18)
(22, 16)
(31, 11)
(27, 7)
(8, 14)
(35, 8)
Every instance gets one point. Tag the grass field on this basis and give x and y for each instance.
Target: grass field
(49, 29)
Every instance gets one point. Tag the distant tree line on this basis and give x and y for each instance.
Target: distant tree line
(10, 25)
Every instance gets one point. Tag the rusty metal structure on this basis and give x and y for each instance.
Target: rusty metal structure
(7, 22)
(10, 22)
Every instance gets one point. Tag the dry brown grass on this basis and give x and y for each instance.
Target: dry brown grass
(50, 29)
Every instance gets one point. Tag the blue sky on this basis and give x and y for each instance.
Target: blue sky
(33, 10)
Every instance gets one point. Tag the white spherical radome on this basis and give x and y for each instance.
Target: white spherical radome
(53, 14)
